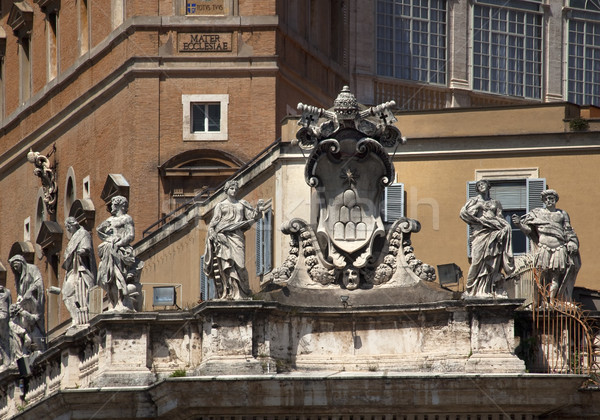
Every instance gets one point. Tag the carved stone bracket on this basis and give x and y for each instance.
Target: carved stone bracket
(84, 212)
(50, 237)
(115, 184)
(24, 248)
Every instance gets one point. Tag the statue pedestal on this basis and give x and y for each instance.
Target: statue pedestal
(452, 336)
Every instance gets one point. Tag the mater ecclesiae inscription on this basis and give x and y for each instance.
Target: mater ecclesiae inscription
(204, 42)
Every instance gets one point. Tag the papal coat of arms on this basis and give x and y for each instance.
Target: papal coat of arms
(349, 168)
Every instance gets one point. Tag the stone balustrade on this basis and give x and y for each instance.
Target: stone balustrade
(265, 338)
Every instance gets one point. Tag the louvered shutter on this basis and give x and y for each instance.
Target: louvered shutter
(471, 192)
(535, 186)
(512, 195)
(259, 246)
(268, 241)
(393, 202)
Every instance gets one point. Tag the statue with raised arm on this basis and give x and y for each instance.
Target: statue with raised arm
(80, 272)
(556, 254)
(224, 258)
(27, 313)
(119, 270)
(490, 243)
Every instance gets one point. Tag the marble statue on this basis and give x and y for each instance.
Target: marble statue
(350, 247)
(491, 243)
(43, 170)
(224, 258)
(27, 313)
(556, 254)
(80, 272)
(5, 302)
(119, 270)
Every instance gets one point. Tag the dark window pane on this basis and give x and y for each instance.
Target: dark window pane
(519, 240)
(214, 117)
(198, 118)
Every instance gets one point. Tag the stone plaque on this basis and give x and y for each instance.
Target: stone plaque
(204, 42)
(205, 7)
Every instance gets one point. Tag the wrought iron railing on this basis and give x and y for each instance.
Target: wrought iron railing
(562, 337)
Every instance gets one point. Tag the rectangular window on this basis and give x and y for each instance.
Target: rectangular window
(411, 39)
(86, 187)
(518, 196)
(27, 229)
(205, 117)
(583, 62)
(507, 49)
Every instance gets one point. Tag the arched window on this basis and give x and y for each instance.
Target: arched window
(70, 190)
(195, 172)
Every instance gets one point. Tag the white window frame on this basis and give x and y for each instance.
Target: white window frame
(431, 63)
(583, 88)
(524, 82)
(187, 101)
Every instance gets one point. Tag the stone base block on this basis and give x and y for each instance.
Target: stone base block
(235, 365)
(495, 363)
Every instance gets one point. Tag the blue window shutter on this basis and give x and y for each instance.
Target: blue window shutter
(268, 241)
(393, 202)
(259, 246)
(471, 192)
(535, 186)
(203, 280)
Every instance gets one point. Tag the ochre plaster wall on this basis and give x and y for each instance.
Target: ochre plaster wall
(436, 191)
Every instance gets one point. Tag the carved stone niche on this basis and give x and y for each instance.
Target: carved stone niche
(84, 212)
(24, 248)
(115, 184)
(20, 19)
(2, 275)
(50, 237)
(48, 6)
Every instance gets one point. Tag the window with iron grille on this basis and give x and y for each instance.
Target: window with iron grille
(583, 62)
(411, 39)
(507, 48)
